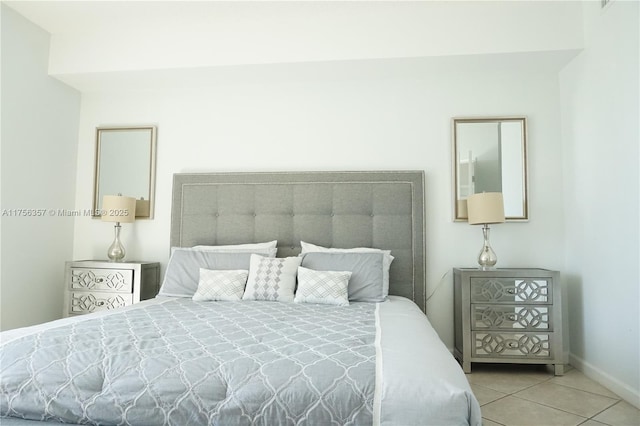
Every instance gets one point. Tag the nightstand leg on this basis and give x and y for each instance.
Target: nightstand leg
(558, 369)
(466, 366)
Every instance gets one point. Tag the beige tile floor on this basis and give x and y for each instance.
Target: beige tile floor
(526, 395)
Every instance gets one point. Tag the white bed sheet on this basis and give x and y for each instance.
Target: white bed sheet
(418, 381)
(422, 384)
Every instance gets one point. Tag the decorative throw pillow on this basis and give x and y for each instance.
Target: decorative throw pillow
(326, 287)
(312, 248)
(221, 285)
(272, 278)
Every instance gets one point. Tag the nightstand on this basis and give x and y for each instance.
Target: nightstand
(508, 316)
(94, 285)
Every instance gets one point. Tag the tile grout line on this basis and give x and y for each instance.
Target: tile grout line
(554, 408)
(609, 407)
(616, 401)
(498, 423)
(604, 424)
(617, 398)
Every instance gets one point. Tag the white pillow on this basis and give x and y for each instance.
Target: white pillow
(387, 258)
(267, 245)
(271, 278)
(221, 285)
(326, 287)
(269, 248)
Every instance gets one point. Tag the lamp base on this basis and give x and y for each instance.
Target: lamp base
(487, 268)
(487, 258)
(116, 250)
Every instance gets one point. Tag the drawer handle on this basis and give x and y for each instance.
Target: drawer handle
(513, 317)
(512, 345)
(99, 280)
(100, 303)
(511, 290)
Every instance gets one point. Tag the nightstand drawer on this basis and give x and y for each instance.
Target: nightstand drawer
(512, 345)
(114, 280)
(510, 290)
(83, 302)
(516, 318)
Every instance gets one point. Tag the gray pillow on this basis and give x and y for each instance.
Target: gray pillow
(367, 272)
(183, 271)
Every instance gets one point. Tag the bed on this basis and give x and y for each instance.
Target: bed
(289, 298)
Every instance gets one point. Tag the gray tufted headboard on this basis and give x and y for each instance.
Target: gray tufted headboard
(381, 209)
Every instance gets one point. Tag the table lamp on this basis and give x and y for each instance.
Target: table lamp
(117, 208)
(485, 208)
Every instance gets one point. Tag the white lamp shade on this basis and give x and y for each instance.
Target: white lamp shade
(117, 208)
(485, 207)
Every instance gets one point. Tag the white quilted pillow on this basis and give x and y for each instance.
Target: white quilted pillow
(221, 285)
(327, 287)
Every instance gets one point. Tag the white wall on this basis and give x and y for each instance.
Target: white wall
(352, 116)
(39, 143)
(600, 113)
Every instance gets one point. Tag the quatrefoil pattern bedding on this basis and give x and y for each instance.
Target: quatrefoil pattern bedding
(230, 363)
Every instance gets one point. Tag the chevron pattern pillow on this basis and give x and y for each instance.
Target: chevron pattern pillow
(326, 287)
(272, 278)
(221, 285)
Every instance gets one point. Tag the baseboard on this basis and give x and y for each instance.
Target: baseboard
(632, 396)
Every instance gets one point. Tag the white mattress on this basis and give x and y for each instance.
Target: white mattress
(418, 382)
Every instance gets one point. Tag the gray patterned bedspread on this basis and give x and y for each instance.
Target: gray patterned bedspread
(188, 363)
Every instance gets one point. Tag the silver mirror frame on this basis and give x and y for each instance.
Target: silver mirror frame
(458, 213)
(152, 167)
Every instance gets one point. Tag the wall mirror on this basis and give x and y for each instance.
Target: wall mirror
(126, 164)
(490, 155)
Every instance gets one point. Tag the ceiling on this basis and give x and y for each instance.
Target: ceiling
(101, 44)
(67, 17)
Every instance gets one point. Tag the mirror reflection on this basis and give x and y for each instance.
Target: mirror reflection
(490, 156)
(125, 164)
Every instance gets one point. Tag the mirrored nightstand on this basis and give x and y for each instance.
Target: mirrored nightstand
(94, 285)
(508, 316)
